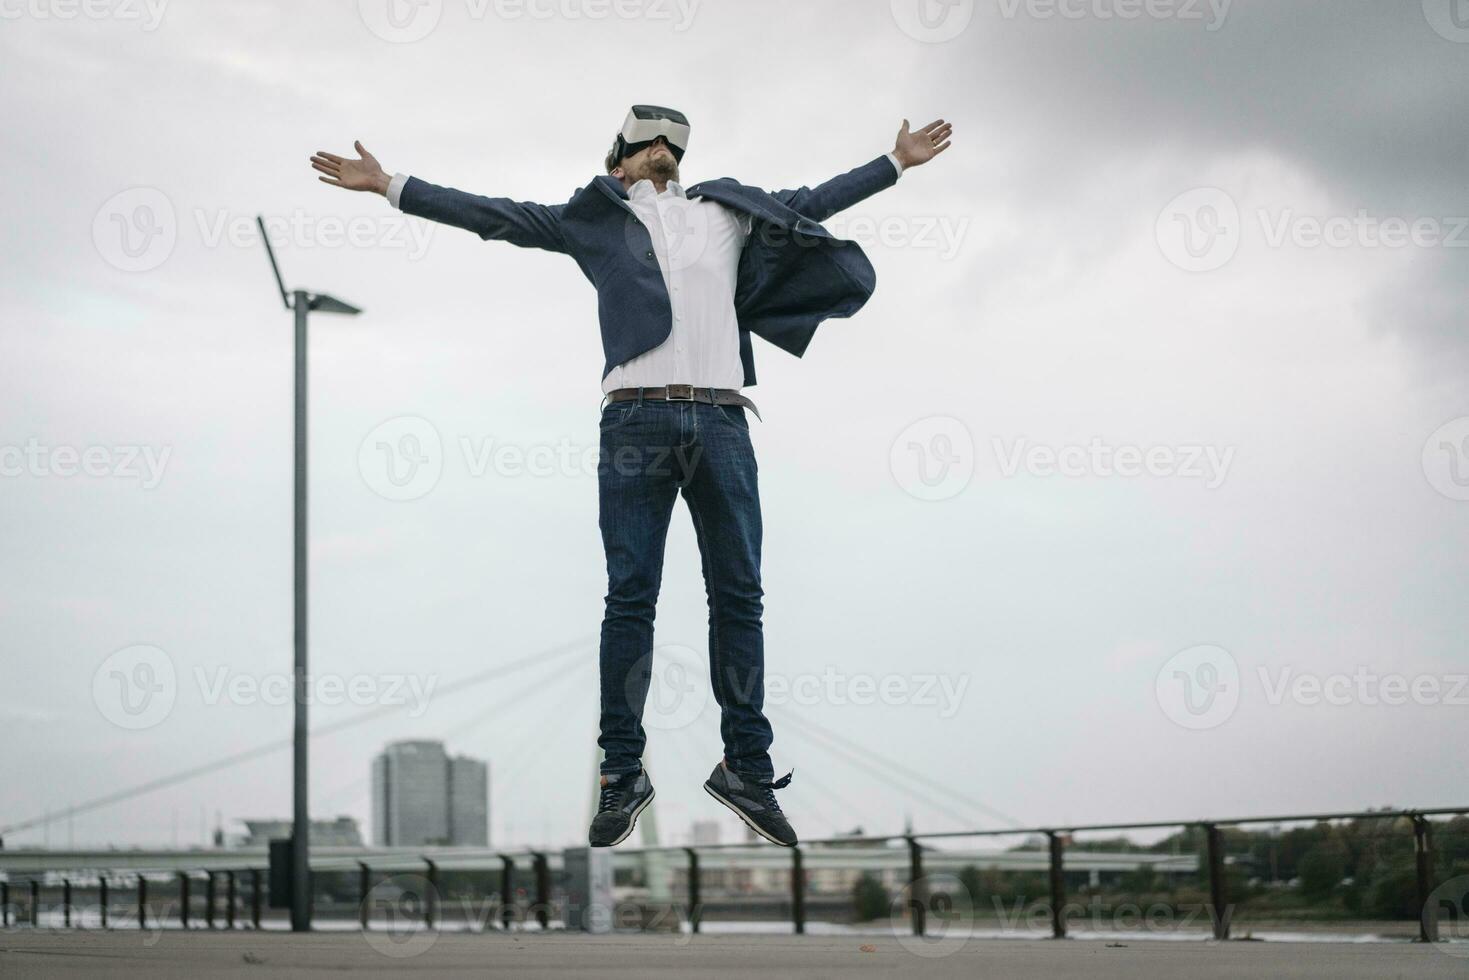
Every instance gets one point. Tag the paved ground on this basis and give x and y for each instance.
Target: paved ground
(45, 954)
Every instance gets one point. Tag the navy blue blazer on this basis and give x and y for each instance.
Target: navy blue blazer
(792, 274)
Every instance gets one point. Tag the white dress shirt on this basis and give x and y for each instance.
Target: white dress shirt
(697, 243)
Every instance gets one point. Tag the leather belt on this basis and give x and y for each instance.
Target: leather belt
(684, 393)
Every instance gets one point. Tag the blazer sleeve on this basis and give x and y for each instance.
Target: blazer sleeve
(842, 191)
(520, 223)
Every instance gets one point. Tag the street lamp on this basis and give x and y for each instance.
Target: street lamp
(302, 303)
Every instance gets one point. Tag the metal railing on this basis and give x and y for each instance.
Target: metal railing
(432, 862)
(1218, 904)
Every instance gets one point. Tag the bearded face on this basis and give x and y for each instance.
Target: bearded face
(655, 163)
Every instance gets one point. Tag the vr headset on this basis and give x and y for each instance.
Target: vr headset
(643, 125)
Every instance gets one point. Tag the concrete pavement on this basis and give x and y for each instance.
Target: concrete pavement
(52, 955)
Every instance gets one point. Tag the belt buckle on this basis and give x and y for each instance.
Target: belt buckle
(678, 393)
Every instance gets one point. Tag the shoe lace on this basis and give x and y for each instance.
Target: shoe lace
(767, 792)
(608, 799)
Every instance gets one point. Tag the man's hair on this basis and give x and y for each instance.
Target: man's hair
(611, 162)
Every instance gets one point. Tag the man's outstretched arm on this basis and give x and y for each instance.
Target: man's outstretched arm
(520, 223)
(912, 149)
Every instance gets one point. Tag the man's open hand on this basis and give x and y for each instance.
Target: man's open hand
(363, 174)
(919, 147)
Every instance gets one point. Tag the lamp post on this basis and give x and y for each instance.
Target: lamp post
(300, 302)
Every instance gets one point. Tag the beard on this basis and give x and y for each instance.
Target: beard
(663, 167)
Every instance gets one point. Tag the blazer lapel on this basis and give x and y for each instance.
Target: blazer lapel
(613, 189)
(757, 204)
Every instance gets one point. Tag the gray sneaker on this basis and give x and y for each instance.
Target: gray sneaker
(754, 802)
(623, 798)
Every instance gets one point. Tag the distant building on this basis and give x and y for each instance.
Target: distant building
(410, 793)
(421, 796)
(705, 832)
(469, 802)
(341, 832)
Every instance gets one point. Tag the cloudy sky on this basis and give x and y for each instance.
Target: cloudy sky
(1139, 489)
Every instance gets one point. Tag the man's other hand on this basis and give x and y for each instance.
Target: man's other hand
(363, 174)
(921, 146)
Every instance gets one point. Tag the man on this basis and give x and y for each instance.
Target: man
(684, 277)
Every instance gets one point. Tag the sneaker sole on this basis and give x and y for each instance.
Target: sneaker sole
(632, 821)
(748, 822)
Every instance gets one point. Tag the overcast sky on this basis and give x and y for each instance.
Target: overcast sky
(1137, 490)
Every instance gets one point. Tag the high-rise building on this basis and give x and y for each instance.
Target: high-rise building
(422, 796)
(469, 802)
(704, 832)
(410, 793)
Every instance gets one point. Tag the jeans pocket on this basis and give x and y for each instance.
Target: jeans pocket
(614, 416)
(735, 416)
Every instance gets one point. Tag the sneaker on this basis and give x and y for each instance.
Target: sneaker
(754, 802)
(623, 798)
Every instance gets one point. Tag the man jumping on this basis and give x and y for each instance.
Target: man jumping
(684, 277)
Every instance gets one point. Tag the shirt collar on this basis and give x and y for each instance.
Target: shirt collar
(644, 188)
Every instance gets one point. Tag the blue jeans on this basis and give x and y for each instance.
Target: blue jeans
(651, 452)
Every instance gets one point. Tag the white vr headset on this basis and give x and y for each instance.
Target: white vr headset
(644, 124)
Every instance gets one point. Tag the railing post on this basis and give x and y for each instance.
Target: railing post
(229, 899)
(430, 897)
(694, 898)
(542, 871)
(1423, 853)
(209, 899)
(798, 892)
(507, 890)
(35, 903)
(1218, 893)
(102, 897)
(917, 891)
(364, 888)
(142, 901)
(1058, 884)
(5, 904)
(255, 877)
(66, 902)
(183, 899)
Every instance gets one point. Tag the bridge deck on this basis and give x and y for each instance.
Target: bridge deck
(46, 954)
